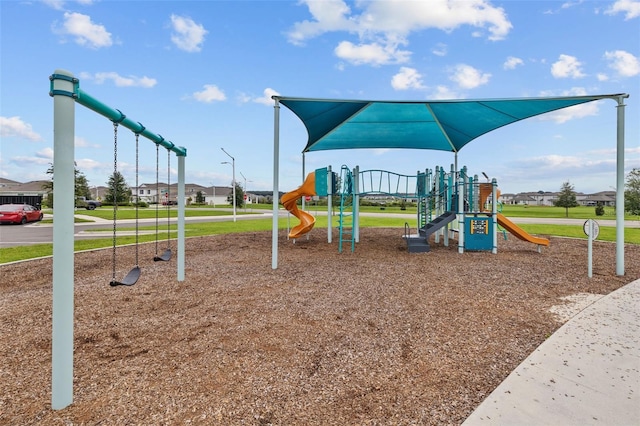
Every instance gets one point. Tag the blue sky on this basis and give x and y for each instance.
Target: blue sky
(201, 73)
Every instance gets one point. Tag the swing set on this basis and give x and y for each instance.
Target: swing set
(134, 274)
(66, 92)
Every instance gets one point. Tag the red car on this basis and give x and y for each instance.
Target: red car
(19, 213)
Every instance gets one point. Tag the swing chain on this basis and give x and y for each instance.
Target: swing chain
(114, 194)
(158, 198)
(168, 199)
(137, 196)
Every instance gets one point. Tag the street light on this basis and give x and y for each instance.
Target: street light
(246, 197)
(233, 182)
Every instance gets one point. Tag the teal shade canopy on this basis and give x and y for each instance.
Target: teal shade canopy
(445, 125)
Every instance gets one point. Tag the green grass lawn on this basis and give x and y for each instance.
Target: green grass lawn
(10, 254)
(150, 213)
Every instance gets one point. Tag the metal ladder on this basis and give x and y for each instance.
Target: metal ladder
(345, 220)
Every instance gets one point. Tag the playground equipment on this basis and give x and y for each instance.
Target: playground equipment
(450, 205)
(66, 92)
(512, 228)
(469, 208)
(290, 202)
(134, 274)
(320, 182)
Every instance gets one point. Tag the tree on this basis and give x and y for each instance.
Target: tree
(566, 198)
(239, 196)
(81, 186)
(632, 192)
(118, 192)
(199, 197)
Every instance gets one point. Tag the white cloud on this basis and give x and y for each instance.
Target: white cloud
(373, 54)
(266, 99)
(330, 15)
(81, 142)
(630, 8)
(243, 98)
(443, 92)
(440, 50)
(187, 35)
(120, 81)
(210, 94)
(468, 77)
(567, 66)
(45, 154)
(602, 77)
(407, 78)
(15, 127)
(59, 4)
(54, 4)
(624, 63)
(41, 158)
(383, 26)
(512, 62)
(85, 32)
(87, 164)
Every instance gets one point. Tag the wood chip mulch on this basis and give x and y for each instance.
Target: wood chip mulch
(375, 336)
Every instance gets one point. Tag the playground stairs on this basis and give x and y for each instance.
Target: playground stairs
(437, 223)
(416, 243)
(419, 243)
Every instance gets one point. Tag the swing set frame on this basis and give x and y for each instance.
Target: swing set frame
(66, 92)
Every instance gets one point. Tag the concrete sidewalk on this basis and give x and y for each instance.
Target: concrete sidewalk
(586, 373)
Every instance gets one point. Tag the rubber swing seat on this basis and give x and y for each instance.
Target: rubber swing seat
(131, 278)
(164, 256)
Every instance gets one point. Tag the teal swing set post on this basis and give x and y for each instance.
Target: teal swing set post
(66, 92)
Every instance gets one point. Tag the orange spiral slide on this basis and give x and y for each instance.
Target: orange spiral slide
(290, 202)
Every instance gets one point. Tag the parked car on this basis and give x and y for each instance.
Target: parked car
(170, 203)
(87, 204)
(19, 213)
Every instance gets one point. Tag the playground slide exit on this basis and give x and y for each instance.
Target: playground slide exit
(290, 202)
(519, 232)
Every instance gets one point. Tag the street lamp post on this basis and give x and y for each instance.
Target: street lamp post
(246, 197)
(233, 182)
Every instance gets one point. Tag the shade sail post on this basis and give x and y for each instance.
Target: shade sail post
(620, 187)
(303, 178)
(276, 161)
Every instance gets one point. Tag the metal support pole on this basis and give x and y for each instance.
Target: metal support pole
(329, 205)
(620, 188)
(63, 196)
(461, 218)
(356, 204)
(494, 213)
(233, 181)
(304, 176)
(438, 187)
(181, 216)
(276, 160)
(590, 249)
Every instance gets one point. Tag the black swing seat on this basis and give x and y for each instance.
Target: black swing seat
(130, 279)
(164, 257)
